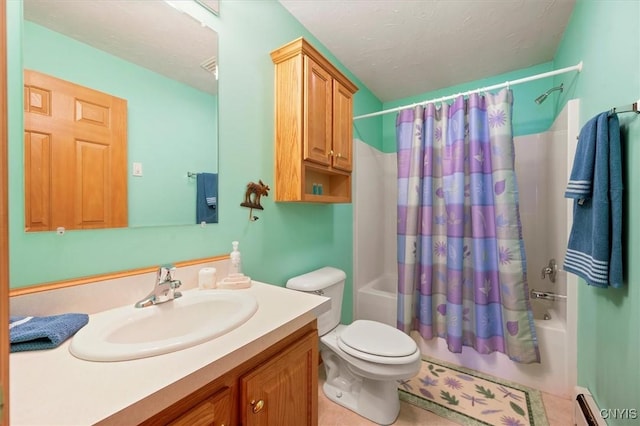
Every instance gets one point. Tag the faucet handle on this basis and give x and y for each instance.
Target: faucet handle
(171, 273)
(173, 285)
(166, 272)
(551, 270)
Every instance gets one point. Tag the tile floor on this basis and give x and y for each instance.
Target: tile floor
(559, 412)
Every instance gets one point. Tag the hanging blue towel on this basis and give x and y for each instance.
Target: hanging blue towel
(37, 333)
(594, 252)
(207, 198)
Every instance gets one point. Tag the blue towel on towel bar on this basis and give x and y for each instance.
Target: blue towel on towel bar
(594, 252)
(37, 333)
(207, 198)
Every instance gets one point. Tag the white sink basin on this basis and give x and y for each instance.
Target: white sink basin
(127, 332)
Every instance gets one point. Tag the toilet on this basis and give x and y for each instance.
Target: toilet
(363, 361)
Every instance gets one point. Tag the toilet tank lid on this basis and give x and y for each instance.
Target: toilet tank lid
(317, 280)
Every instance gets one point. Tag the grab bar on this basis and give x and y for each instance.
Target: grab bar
(546, 295)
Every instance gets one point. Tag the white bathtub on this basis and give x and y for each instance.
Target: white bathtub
(377, 301)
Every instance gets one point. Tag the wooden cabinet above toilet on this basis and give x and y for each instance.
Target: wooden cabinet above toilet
(313, 126)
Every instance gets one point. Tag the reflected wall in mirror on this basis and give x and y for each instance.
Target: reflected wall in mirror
(163, 63)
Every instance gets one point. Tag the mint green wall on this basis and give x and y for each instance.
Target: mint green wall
(605, 35)
(163, 115)
(528, 117)
(288, 239)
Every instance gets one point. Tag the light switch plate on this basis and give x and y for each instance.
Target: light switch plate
(137, 169)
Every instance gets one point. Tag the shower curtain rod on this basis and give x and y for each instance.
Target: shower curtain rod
(577, 67)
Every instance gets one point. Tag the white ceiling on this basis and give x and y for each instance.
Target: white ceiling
(401, 48)
(149, 33)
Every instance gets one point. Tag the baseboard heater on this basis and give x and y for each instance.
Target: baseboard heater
(587, 412)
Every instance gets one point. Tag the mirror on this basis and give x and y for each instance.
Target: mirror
(159, 56)
(211, 5)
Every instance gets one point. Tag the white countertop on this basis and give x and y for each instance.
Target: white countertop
(52, 387)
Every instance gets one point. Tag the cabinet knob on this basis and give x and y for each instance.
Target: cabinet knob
(257, 405)
(331, 154)
(339, 155)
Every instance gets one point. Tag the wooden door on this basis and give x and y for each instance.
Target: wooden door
(75, 142)
(4, 227)
(342, 127)
(284, 390)
(317, 113)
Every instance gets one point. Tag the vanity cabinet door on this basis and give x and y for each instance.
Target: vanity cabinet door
(208, 406)
(213, 411)
(284, 390)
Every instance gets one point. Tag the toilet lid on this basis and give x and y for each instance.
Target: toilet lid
(378, 339)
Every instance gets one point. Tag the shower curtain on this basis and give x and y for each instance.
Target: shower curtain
(461, 261)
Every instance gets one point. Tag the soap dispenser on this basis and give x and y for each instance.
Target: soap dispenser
(236, 264)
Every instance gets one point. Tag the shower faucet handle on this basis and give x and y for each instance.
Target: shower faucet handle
(551, 270)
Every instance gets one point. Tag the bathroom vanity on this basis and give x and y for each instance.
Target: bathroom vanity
(278, 386)
(263, 372)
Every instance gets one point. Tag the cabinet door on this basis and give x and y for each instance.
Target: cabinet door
(213, 411)
(317, 119)
(284, 390)
(342, 127)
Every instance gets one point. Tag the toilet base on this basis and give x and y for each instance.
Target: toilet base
(381, 406)
(376, 400)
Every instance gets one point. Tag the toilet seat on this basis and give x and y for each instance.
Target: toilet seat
(376, 342)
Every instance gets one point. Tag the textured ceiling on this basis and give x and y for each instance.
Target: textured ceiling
(149, 33)
(401, 48)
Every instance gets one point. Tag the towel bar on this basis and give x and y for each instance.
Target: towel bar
(634, 107)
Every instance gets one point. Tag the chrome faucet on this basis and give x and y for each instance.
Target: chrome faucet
(164, 289)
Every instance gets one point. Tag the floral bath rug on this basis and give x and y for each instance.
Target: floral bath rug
(471, 398)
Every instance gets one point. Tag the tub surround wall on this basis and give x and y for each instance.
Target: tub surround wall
(543, 164)
(542, 167)
(369, 208)
(374, 226)
(542, 175)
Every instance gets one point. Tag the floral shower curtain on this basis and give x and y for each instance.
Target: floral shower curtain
(461, 261)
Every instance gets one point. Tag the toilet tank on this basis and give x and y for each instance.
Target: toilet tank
(328, 282)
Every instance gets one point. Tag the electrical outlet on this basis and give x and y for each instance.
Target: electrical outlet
(137, 169)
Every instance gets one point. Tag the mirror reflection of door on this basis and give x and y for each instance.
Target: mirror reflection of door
(75, 145)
